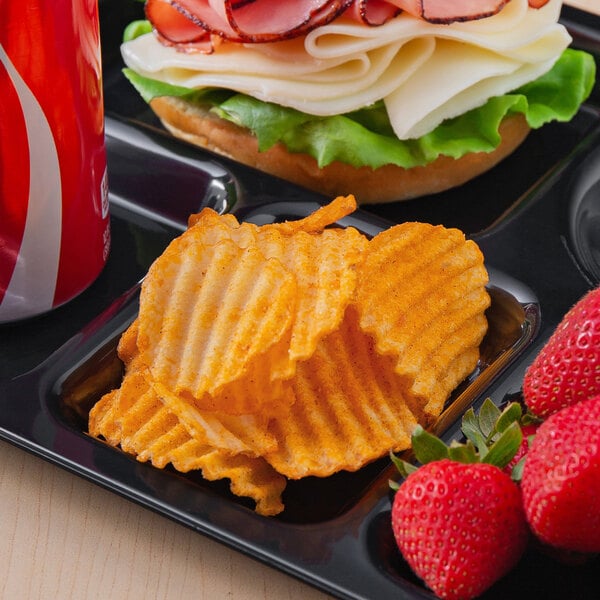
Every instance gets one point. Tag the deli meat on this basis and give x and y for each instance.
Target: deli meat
(449, 11)
(248, 21)
(195, 25)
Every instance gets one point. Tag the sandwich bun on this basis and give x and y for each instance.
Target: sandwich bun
(389, 183)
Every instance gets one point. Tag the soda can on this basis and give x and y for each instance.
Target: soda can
(54, 217)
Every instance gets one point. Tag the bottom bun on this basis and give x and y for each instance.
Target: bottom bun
(386, 184)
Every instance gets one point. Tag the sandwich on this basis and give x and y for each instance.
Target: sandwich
(384, 99)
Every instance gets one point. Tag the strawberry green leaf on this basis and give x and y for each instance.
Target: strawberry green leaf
(489, 414)
(427, 447)
(530, 419)
(472, 431)
(404, 468)
(517, 471)
(505, 447)
(463, 453)
(511, 414)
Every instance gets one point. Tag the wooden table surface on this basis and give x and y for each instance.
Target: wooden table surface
(63, 537)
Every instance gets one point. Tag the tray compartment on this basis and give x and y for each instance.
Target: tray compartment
(512, 326)
(584, 216)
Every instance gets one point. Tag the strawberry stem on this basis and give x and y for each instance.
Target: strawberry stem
(493, 436)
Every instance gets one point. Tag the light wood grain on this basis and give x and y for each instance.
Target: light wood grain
(63, 537)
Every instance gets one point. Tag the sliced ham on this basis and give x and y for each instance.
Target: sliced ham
(444, 11)
(174, 27)
(377, 12)
(193, 25)
(373, 12)
(248, 21)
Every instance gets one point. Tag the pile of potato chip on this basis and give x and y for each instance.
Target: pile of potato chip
(295, 349)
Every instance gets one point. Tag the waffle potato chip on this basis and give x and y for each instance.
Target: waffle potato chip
(315, 222)
(426, 305)
(212, 228)
(232, 434)
(321, 218)
(211, 218)
(350, 408)
(103, 420)
(214, 316)
(287, 350)
(325, 270)
(134, 418)
(127, 348)
(323, 265)
(250, 477)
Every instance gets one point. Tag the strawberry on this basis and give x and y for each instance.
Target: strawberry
(458, 520)
(561, 479)
(459, 526)
(567, 369)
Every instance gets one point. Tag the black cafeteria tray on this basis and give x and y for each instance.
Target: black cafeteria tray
(536, 217)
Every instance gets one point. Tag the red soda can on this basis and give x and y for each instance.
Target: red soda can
(54, 221)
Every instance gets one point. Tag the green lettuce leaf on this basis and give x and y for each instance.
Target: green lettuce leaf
(136, 29)
(365, 137)
(152, 88)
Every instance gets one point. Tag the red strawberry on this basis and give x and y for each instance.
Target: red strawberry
(561, 479)
(567, 370)
(459, 526)
(459, 520)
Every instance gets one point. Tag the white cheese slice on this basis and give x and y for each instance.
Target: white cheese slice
(425, 73)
